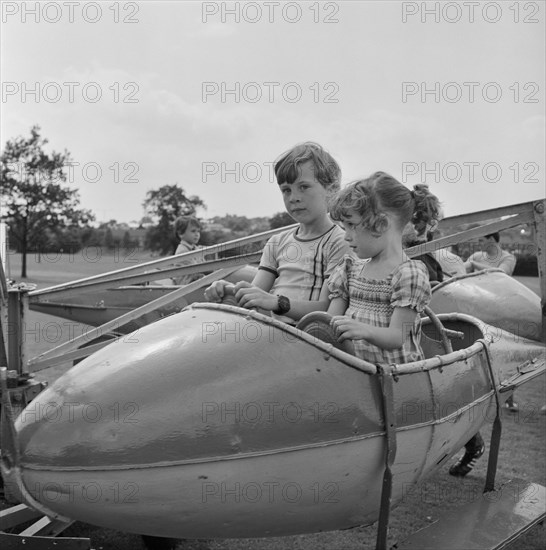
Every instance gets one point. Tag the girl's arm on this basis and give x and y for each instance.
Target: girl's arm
(391, 337)
(338, 306)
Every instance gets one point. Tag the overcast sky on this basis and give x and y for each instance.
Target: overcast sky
(207, 95)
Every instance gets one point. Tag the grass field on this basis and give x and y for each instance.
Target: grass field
(523, 445)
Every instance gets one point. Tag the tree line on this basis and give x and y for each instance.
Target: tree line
(43, 215)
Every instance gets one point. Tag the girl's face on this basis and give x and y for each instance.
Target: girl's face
(361, 240)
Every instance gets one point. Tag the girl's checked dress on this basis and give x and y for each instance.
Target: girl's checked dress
(372, 301)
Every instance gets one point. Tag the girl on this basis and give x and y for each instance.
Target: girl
(376, 299)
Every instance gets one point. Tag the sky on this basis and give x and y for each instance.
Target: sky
(207, 95)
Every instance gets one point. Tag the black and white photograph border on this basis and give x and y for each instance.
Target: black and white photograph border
(149, 102)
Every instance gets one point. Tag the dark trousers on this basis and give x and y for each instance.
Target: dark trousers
(474, 443)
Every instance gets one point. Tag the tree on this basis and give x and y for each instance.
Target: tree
(237, 224)
(164, 205)
(281, 219)
(109, 239)
(31, 198)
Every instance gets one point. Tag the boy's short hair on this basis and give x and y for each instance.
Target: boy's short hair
(182, 222)
(495, 235)
(327, 170)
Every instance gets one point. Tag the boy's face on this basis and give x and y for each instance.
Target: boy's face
(305, 199)
(191, 235)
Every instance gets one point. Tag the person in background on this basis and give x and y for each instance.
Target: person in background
(412, 238)
(187, 231)
(490, 256)
(452, 265)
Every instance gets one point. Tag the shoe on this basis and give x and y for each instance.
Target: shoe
(465, 464)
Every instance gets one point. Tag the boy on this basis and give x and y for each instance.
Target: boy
(295, 264)
(187, 230)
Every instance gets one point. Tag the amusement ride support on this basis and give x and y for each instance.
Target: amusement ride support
(527, 213)
(59, 353)
(149, 270)
(385, 373)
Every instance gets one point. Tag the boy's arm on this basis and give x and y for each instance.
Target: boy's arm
(299, 308)
(256, 294)
(262, 283)
(264, 280)
(390, 337)
(250, 296)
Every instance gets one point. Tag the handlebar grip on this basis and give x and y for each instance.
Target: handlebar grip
(229, 295)
(229, 290)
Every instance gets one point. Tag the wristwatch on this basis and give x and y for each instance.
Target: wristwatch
(283, 305)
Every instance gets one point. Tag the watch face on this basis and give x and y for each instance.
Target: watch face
(284, 305)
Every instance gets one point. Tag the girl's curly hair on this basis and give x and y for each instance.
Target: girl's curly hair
(372, 197)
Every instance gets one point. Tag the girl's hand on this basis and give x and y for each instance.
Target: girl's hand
(250, 296)
(216, 291)
(348, 329)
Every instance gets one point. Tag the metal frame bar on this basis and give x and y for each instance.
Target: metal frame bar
(90, 284)
(17, 311)
(468, 234)
(126, 274)
(525, 213)
(385, 373)
(496, 432)
(46, 359)
(484, 215)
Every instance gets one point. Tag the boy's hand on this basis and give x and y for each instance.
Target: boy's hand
(348, 329)
(250, 296)
(216, 291)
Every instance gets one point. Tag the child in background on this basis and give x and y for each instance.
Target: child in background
(452, 265)
(377, 297)
(411, 237)
(187, 231)
(295, 264)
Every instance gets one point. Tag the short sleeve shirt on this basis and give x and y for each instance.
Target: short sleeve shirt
(186, 279)
(503, 260)
(301, 266)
